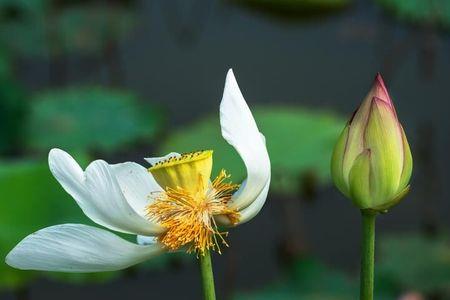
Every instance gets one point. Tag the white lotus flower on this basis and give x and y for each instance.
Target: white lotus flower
(171, 205)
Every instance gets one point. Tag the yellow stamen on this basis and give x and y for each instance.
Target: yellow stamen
(187, 211)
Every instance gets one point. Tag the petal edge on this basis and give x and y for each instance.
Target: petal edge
(239, 129)
(77, 248)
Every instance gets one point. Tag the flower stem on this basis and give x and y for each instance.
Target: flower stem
(207, 276)
(367, 255)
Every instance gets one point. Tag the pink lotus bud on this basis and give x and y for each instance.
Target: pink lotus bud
(371, 162)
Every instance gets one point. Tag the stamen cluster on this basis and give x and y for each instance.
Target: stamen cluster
(189, 217)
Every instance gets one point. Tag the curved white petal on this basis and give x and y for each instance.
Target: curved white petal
(155, 160)
(98, 194)
(146, 240)
(137, 185)
(250, 211)
(239, 130)
(253, 209)
(77, 248)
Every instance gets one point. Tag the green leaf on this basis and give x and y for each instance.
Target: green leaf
(90, 118)
(299, 142)
(415, 262)
(432, 12)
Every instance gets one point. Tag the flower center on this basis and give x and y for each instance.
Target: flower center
(190, 201)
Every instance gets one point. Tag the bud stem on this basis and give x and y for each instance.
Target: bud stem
(209, 292)
(367, 254)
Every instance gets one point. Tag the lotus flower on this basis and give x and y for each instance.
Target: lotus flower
(170, 206)
(371, 162)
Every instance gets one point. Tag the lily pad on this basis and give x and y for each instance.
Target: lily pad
(432, 12)
(299, 142)
(90, 118)
(415, 262)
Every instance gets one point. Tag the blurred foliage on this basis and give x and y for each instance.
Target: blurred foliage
(295, 9)
(167, 259)
(415, 262)
(89, 118)
(42, 27)
(13, 108)
(89, 29)
(409, 262)
(21, 26)
(5, 63)
(82, 278)
(307, 279)
(299, 142)
(430, 12)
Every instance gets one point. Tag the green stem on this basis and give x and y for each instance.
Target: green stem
(207, 276)
(367, 255)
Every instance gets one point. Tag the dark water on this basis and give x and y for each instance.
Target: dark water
(178, 57)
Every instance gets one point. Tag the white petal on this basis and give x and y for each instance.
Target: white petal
(146, 240)
(249, 212)
(253, 209)
(239, 130)
(77, 248)
(154, 160)
(137, 185)
(98, 193)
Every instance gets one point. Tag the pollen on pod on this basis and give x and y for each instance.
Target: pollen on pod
(190, 171)
(184, 158)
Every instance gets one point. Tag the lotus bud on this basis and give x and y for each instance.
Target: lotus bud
(371, 162)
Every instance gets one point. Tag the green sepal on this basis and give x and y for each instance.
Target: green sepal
(359, 180)
(337, 161)
(399, 197)
(384, 138)
(407, 163)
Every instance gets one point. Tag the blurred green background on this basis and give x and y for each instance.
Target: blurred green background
(123, 80)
